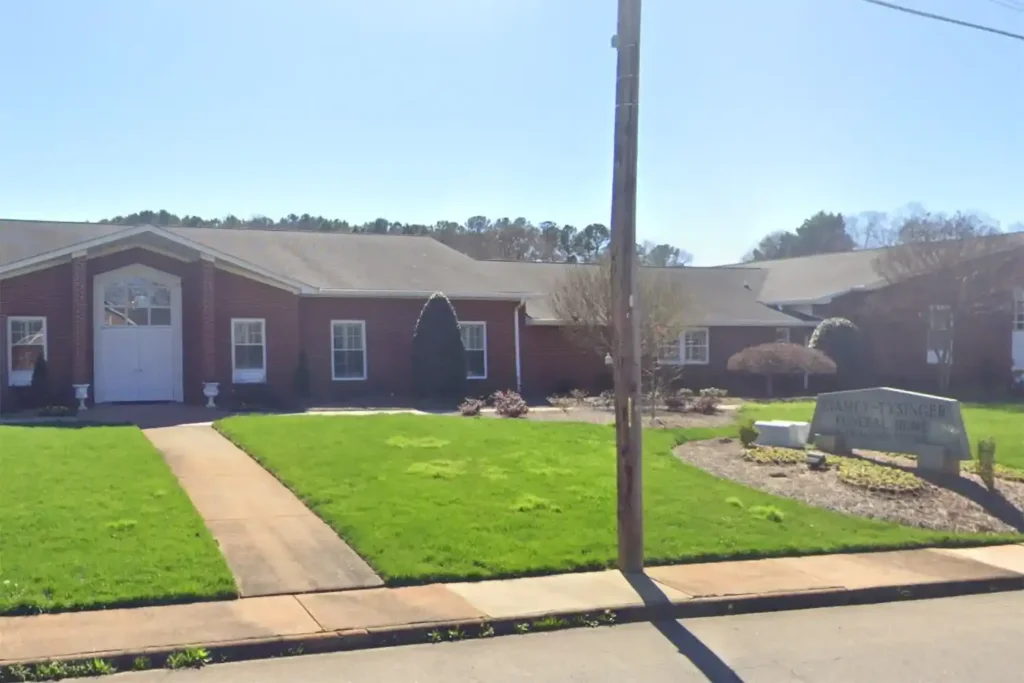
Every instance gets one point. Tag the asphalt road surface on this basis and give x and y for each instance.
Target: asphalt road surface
(971, 639)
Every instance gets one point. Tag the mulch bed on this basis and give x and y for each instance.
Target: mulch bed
(945, 504)
(663, 419)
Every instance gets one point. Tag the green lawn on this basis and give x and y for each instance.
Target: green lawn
(1004, 422)
(92, 518)
(427, 498)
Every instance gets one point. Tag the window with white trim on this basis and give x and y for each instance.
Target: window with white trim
(695, 346)
(248, 350)
(782, 335)
(136, 301)
(348, 350)
(26, 342)
(1018, 311)
(474, 339)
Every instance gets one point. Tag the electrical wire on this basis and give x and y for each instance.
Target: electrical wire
(948, 20)
(1009, 4)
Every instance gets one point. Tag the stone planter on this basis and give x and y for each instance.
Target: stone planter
(81, 395)
(211, 390)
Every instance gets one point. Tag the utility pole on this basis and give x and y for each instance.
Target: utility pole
(626, 357)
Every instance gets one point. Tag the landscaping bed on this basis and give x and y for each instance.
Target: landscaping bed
(1002, 421)
(428, 498)
(92, 517)
(599, 415)
(851, 485)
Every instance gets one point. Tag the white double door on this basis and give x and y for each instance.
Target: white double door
(137, 354)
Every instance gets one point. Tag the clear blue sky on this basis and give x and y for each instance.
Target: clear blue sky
(754, 114)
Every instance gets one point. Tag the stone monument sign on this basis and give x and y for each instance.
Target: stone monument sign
(896, 421)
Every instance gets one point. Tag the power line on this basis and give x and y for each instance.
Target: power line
(1009, 4)
(948, 20)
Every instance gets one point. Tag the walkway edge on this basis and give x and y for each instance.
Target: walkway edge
(421, 633)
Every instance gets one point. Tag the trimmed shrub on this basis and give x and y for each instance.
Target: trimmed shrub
(300, 379)
(708, 400)
(510, 404)
(781, 359)
(41, 394)
(563, 403)
(987, 462)
(438, 356)
(748, 434)
(842, 341)
(471, 407)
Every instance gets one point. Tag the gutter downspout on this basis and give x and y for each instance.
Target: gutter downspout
(519, 364)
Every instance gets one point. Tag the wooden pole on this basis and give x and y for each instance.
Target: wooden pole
(626, 337)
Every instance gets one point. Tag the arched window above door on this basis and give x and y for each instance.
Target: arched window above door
(136, 301)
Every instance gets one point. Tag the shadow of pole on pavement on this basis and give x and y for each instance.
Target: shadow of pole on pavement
(688, 645)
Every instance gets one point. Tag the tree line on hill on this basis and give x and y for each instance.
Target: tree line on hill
(826, 233)
(479, 236)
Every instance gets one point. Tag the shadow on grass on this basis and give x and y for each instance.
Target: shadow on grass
(686, 643)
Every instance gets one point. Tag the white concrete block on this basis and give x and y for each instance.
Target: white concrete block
(782, 433)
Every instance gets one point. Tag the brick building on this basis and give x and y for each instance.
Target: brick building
(141, 313)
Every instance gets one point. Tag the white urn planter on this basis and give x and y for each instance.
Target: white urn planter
(211, 390)
(81, 395)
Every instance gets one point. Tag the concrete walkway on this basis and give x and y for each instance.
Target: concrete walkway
(273, 544)
(373, 617)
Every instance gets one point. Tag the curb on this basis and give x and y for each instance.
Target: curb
(420, 633)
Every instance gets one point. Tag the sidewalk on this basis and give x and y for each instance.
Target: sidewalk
(273, 543)
(318, 622)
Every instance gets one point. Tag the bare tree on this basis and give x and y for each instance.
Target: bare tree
(871, 229)
(583, 299)
(948, 268)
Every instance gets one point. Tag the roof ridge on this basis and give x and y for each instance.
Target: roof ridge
(241, 228)
(43, 220)
(247, 228)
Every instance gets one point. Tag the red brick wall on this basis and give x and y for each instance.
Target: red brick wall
(41, 293)
(553, 364)
(240, 297)
(389, 328)
(895, 326)
(723, 343)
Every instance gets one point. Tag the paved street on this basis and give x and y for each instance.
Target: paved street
(974, 638)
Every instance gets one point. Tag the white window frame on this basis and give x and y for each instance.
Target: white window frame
(783, 335)
(23, 378)
(248, 376)
(334, 371)
(707, 345)
(1018, 311)
(482, 324)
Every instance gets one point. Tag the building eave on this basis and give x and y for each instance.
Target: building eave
(323, 292)
(57, 255)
